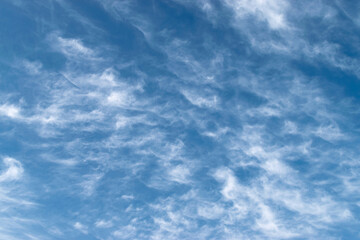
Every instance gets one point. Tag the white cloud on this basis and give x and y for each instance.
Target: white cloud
(272, 11)
(33, 68)
(119, 98)
(10, 111)
(329, 133)
(127, 197)
(210, 210)
(81, 227)
(290, 127)
(65, 162)
(103, 224)
(254, 199)
(180, 174)
(201, 101)
(14, 170)
(315, 209)
(126, 232)
(231, 187)
(274, 166)
(72, 47)
(249, 139)
(268, 224)
(89, 185)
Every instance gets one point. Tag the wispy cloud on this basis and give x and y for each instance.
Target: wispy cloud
(82, 228)
(180, 120)
(14, 170)
(273, 12)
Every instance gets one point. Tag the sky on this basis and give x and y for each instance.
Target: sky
(179, 119)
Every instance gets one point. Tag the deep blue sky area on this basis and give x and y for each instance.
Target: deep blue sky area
(179, 119)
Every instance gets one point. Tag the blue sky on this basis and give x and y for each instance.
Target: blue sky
(179, 119)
